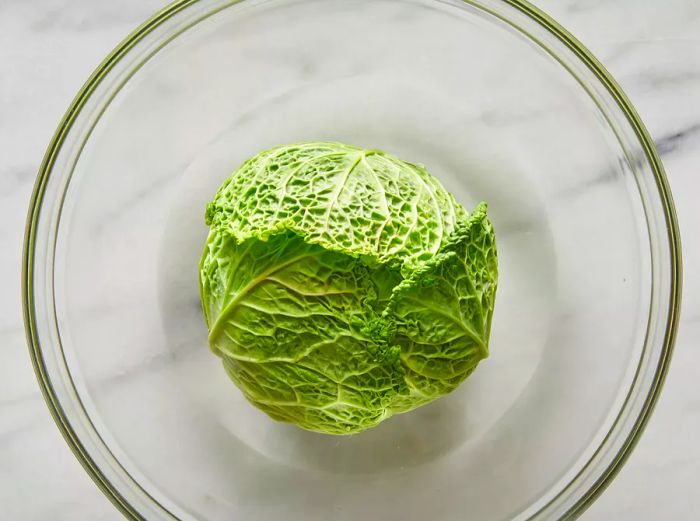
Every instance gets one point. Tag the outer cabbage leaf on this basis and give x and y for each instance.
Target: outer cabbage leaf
(442, 313)
(296, 328)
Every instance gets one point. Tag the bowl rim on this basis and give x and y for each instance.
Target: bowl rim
(524, 7)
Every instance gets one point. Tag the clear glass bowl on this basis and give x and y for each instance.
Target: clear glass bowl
(501, 104)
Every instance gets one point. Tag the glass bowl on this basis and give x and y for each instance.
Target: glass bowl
(501, 104)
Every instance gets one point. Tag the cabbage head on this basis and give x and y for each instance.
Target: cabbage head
(341, 286)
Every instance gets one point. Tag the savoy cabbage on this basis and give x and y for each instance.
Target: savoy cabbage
(342, 285)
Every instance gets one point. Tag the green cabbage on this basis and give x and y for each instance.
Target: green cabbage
(342, 285)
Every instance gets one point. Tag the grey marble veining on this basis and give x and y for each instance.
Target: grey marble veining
(678, 140)
(48, 48)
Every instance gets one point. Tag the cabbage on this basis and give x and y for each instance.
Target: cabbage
(342, 285)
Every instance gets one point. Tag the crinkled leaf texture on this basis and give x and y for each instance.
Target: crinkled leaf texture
(342, 285)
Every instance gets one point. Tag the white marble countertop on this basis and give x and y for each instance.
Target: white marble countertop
(48, 48)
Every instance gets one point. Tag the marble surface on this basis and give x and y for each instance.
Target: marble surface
(47, 49)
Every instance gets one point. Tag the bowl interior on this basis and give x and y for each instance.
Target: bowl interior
(442, 83)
